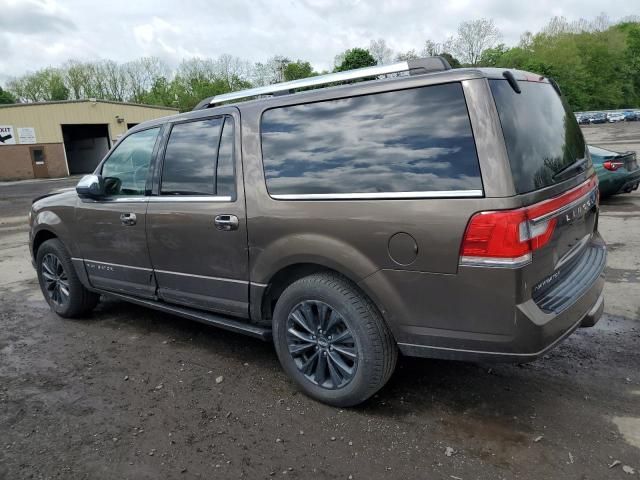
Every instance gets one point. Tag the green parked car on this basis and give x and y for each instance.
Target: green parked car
(617, 172)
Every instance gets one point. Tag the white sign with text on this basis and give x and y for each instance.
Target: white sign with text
(26, 135)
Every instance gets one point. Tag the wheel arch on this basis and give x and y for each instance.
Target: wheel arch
(265, 297)
(39, 238)
(44, 233)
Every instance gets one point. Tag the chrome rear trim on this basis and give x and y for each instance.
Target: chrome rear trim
(489, 262)
(565, 208)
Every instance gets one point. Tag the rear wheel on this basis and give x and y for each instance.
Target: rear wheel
(59, 282)
(332, 341)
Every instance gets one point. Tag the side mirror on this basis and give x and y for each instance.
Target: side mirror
(91, 186)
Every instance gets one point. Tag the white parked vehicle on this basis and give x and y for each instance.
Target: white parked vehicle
(615, 117)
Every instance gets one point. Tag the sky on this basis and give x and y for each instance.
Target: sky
(40, 33)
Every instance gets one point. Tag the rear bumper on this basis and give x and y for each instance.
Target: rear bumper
(425, 351)
(460, 317)
(631, 182)
(591, 318)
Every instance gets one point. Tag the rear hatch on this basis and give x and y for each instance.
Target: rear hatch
(554, 179)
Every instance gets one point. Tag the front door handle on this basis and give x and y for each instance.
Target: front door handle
(226, 222)
(128, 219)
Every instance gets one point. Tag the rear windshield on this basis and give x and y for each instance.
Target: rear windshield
(541, 133)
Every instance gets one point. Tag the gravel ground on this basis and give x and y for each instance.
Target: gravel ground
(133, 393)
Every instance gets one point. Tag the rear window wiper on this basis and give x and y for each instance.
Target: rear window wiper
(512, 81)
(579, 163)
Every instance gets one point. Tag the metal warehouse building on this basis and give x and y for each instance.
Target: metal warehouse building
(56, 139)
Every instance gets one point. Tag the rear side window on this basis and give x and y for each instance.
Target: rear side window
(415, 140)
(540, 131)
(190, 158)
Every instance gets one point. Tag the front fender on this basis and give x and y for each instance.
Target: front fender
(58, 221)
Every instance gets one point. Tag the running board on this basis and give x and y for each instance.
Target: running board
(216, 320)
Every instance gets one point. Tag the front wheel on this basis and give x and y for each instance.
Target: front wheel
(332, 341)
(59, 282)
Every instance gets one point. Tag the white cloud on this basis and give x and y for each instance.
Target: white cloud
(37, 33)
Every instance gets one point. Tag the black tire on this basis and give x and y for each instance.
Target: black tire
(373, 348)
(56, 273)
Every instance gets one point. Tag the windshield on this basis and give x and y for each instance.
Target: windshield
(541, 133)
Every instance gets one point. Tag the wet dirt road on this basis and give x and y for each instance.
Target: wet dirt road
(132, 393)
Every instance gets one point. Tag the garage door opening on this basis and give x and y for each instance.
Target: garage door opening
(85, 146)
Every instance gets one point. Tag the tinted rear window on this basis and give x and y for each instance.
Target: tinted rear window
(412, 140)
(541, 133)
(190, 157)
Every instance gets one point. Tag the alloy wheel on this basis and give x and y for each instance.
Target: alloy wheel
(321, 344)
(56, 282)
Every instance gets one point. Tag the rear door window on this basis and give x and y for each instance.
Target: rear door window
(190, 158)
(414, 140)
(540, 131)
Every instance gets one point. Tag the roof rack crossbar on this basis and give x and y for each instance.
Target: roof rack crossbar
(420, 65)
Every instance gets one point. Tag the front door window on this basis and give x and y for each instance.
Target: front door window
(126, 170)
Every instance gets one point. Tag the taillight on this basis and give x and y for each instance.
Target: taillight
(612, 165)
(508, 237)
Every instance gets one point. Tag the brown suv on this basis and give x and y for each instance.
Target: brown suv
(436, 212)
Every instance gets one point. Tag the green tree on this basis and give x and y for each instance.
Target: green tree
(354, 58)
(596, 65)
(139, 74)
(298, 69)
(6, 97)
(492, 56)
(42, 86)
(77, 77)
(632, 61)
(54, 85)
(197, 79)
(162, 92)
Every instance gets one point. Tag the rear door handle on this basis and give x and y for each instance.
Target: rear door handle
(128, 219)
(226, 222)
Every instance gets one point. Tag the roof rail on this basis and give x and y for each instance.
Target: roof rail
(414, 67)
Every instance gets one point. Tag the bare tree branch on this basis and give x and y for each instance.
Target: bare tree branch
(475, 37)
